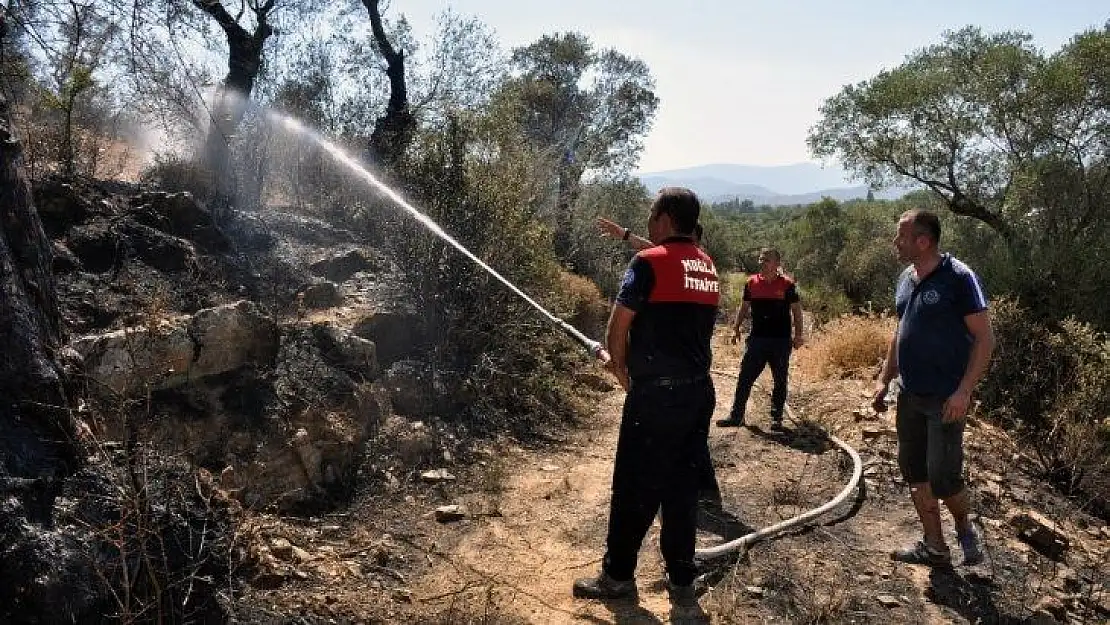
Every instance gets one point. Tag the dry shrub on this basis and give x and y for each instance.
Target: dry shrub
(848, 346)
(797, 587)
(1050, 383)
(732, 293)
(582, 304)
(175, 173)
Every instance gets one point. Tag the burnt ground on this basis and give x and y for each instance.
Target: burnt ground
(535, 520)
(533, 513)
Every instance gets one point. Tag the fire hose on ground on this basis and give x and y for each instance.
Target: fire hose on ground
(744, 542)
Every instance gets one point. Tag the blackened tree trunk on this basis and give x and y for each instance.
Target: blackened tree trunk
(30, 324)
(37, 449)
(244, 62)
(393, 131)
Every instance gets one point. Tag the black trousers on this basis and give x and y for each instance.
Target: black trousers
(759, 353)
(660, 456)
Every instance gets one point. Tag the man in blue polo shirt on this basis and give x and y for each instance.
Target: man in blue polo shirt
(941, 349)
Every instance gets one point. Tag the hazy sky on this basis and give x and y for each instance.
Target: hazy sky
(741, 81)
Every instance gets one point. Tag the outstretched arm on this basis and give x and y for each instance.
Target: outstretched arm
(613, 230)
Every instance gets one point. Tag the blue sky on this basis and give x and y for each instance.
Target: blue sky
(741, 81)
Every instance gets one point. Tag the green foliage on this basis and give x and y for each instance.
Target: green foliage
(1003, 134)
(585, 110)
(825, 303)
(1051, 383)
(591, 107)
(732, 292)
(505, 365)
(625, 201)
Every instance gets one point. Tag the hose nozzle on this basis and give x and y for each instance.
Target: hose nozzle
(598, 351)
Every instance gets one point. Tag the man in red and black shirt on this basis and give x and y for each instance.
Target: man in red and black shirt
(772, 301)
(659, 340)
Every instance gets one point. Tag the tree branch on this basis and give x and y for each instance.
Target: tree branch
(216, 10)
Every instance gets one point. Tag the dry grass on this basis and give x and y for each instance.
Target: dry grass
(582, 303)
(848, 346)
(793, 585)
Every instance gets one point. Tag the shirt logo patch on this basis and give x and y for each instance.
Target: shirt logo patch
(628, 279)
(930, 297)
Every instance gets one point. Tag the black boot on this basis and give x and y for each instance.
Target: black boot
(603, 587)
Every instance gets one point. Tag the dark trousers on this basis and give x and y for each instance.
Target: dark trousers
(708, 489)
(660, 455)
(760, 352)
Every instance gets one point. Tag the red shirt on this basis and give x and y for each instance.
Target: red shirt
(770, 304)
(674, 291)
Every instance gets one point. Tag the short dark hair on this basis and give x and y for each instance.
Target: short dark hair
(698, 232)
(770, 251)
(682, 205)
(925, 224)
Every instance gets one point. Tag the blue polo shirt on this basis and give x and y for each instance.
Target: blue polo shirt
(934, 343)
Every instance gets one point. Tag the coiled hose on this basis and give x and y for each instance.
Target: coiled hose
(744, 542)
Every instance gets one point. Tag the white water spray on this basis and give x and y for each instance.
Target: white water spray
(294, 125)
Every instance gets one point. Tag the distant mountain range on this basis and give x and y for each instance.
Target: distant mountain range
(782, 185)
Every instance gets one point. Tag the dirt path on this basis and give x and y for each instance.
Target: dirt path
(520, 566)
(536, 520)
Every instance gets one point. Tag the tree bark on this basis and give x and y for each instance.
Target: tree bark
(36, 441)
(392, 131)
(244, 62)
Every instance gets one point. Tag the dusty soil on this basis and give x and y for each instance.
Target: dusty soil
(535, 520)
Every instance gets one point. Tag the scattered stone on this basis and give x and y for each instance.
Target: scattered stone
(864, 414)
(888, 601)
(436, 476)
(1052, 607)
(97, 246)
(180, 215)
(157, 249)
(872, 432)
(402, 594)
(1068, 580)
(448, 514)
(863, 578)
(755, 591)
(281, 548)
(415, 390)
(322, 295)
(1041, 533)
(990, 493)
(548, 467)
(1101, 602)
(342, 266)
(64, 260)
(301, 555)
(990, 476)
(268, 580)
(346, 350)
(176, 351)
(398, 334)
